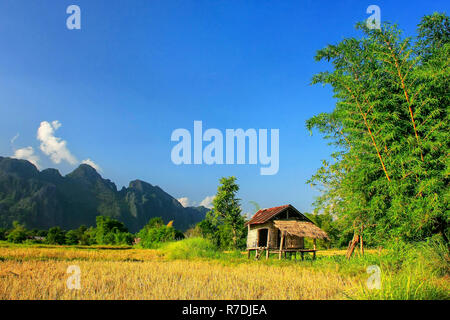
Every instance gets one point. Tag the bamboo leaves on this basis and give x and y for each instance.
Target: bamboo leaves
(391, 125)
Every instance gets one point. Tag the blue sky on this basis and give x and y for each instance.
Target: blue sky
(137, 70)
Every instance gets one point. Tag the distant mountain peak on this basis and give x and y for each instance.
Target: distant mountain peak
(140, 185)
(51, 175)
(52, 171)
(85, 171)
(49, 199)
(86, 168)
(18, 167)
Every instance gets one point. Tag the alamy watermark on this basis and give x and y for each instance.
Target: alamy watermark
(74, 20)
(215, 152)
(374, 21)
(74, 281)
(374, 281)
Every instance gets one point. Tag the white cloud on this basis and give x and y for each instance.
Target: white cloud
(52, 146)
(92, 164)
(56, 124)
(207, 202)
(184, 201)
(27, 153)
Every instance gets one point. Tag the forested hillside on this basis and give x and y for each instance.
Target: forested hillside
(43, 199)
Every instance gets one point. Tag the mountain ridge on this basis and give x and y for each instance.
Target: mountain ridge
(43, 199)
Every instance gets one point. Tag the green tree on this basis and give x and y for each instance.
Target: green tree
(78, 236)
(111, 231)
(18, 234)
(72, 237)
(156, 232)
(224, 224)
(388, 178)
(56, 236)
(42, 233)
(87, 236)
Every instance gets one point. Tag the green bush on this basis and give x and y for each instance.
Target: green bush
(412, 272)
(112, 232)
(72, 237)
(18, 234)
(156, 232)
(56, 236)
(190, 248)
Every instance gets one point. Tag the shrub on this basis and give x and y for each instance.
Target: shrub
(18, 234)
(412, 271)
(110, 231)
(156, 232)
(56, 236)
(190, 248)
(72, 237)
(193, 232)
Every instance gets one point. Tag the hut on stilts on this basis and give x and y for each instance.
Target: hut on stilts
(281, 230)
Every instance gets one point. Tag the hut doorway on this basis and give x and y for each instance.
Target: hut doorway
(262, 237)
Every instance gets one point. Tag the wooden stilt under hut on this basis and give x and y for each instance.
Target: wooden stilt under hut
(281, 230)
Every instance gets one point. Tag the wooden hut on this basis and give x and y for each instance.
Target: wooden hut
(281, 230)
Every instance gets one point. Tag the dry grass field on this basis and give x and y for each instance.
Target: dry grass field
(40, 273)
(172, 272)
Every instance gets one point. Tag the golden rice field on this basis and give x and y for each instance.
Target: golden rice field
(40, 273)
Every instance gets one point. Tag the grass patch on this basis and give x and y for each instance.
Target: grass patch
(190, 248)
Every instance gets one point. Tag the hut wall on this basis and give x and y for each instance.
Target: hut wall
(274, 234)
(252, 238)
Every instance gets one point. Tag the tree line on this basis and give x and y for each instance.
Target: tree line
(107, 231)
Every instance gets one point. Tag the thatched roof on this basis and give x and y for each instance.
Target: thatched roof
(301, 229)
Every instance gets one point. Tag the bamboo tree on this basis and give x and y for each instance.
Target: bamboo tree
(391, 128)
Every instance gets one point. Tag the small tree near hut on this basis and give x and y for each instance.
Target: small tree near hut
(224, 224)
(156, 232)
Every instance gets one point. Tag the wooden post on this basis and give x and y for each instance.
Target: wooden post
(248, 254)
(361, 239)
(268, 243)
(314, 241)
(281, 245)
(352, 245)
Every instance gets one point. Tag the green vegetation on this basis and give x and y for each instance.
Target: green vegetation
(107, 232)
(113, 232)
(156, 232)
(190, 248)
(17, 234)
(389, 178)
(414, 271)
(56, 236)
(224, 224)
